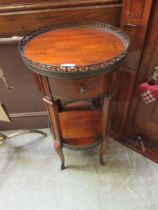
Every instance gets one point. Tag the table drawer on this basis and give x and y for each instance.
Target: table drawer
(80, 88)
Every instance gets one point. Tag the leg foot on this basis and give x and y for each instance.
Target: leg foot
(102, 150)
(59, 151)
(62, 167)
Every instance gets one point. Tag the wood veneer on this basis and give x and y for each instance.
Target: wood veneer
(25, 17)
(72, 87)
(70, 45)
(133, 118)
(81, 124)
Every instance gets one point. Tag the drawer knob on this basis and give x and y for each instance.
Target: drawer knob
(83, 90)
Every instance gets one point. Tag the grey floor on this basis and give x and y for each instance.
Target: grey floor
(30, 178)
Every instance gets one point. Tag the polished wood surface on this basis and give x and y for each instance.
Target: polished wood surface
(81, 124)
(26, 4)
(145, 122)
(16, 16)
(54, 118)
(67, 89)
(74, 45)
(79, 129)
(131, 117)
(136, 27)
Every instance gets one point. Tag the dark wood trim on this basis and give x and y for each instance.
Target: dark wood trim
(131, 15)
(123, 100)
(57, 5)
(131, 65)
(20, 20)
(21, 12)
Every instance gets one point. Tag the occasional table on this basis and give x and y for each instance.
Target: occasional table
(76, 66)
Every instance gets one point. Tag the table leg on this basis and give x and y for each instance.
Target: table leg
(58, 147)
(103, 147)
(53, 110)
(59, 151)
(105, 118)
(56, 130)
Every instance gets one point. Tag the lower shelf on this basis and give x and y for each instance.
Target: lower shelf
(81, 143)
(81, 129)
(81, 124)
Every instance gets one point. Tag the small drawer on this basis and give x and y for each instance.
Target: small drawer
(80, 88)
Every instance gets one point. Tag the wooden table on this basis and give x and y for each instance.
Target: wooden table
(75, 66)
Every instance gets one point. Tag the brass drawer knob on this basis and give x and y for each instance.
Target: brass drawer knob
(83, 90)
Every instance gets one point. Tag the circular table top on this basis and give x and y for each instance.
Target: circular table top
(74, 48)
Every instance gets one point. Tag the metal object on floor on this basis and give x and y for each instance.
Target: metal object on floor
(4, 137)
(140, 141)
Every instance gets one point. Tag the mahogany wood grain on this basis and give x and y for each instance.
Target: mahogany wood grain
(19, 22)
(81, 124)
(74, 45)
(136, 27)
(145, 120)
(55, 125)
(78, 105)
(133, 116)
(52, 109)
(70, 89)
(25, 3)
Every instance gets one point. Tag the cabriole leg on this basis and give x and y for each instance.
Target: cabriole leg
(54, 121)
(103, 149)
(105, 119)
(59, 150)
